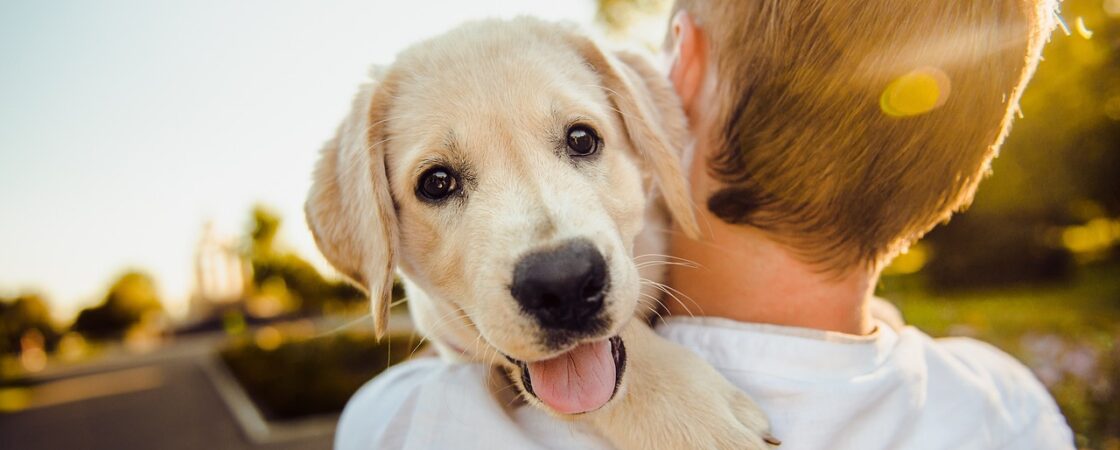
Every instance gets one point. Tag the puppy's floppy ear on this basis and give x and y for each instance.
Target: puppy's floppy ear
(654, 121)
(349, 209)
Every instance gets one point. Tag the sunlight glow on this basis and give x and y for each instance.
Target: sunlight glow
(910, 260)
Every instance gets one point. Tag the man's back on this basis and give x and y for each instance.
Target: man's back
(892, 389)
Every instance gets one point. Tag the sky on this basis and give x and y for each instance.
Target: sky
(126, 126)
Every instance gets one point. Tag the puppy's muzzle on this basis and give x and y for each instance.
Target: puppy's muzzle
(563, 287)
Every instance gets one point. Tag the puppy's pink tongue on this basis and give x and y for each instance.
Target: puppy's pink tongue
(580, 380)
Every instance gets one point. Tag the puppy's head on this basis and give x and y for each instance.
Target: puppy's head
(504, 168)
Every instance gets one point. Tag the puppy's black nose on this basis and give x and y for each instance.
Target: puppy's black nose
(563, 287)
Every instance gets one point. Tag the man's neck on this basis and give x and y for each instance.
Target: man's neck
(743, 275)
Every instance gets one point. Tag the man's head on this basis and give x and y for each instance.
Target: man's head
(846, 130)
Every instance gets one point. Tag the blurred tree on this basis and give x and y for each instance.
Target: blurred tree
(311, 292)
(618, 16)
(986, 250)
(130, 297)
(21, 315)
(262, 232)
(634, 23)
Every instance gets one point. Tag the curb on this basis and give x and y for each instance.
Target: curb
(250, 419)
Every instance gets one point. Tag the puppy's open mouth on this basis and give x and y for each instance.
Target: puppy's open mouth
(580, 380)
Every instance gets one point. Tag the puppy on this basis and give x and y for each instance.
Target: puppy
(507, 170)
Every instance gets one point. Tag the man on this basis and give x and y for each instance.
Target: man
(829, 136)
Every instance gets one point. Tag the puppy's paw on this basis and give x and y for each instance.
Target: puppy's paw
(751, 416)
(673, 399)
(719, 416)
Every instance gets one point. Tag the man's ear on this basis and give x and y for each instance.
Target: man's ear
(654, 122)
(689, 62)
(349, 209)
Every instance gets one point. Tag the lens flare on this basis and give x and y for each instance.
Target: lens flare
(1084, 31)
(915, 93)
(1112, 7)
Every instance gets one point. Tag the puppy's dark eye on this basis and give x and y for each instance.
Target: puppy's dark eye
(582, 141)
(437, 183)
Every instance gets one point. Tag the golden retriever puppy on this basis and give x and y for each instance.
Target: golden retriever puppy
(506, 170)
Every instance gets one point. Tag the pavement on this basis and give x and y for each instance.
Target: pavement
(165, 400)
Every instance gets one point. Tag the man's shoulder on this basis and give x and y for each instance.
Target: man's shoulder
(396, 384)
(986, 364)
(430, 403)
(419, 373)
(963, 371)
(976, 365)
(379, 414)
(896, 388)
(408, 373)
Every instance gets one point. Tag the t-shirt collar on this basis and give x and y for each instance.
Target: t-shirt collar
(784, 350)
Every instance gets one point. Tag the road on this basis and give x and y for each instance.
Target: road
(166, 403)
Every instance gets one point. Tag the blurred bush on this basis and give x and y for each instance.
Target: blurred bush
(22, 316)
(131, 298)
(979, 251)
(293, 376)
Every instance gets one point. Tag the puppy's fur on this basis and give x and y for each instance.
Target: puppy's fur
(492, 101)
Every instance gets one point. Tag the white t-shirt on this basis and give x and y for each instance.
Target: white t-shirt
(894, 389)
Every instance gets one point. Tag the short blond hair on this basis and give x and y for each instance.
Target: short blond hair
(805, 149)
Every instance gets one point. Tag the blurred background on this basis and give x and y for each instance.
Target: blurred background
(159, 288)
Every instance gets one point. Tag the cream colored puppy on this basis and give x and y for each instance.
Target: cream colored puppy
(506, 170)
